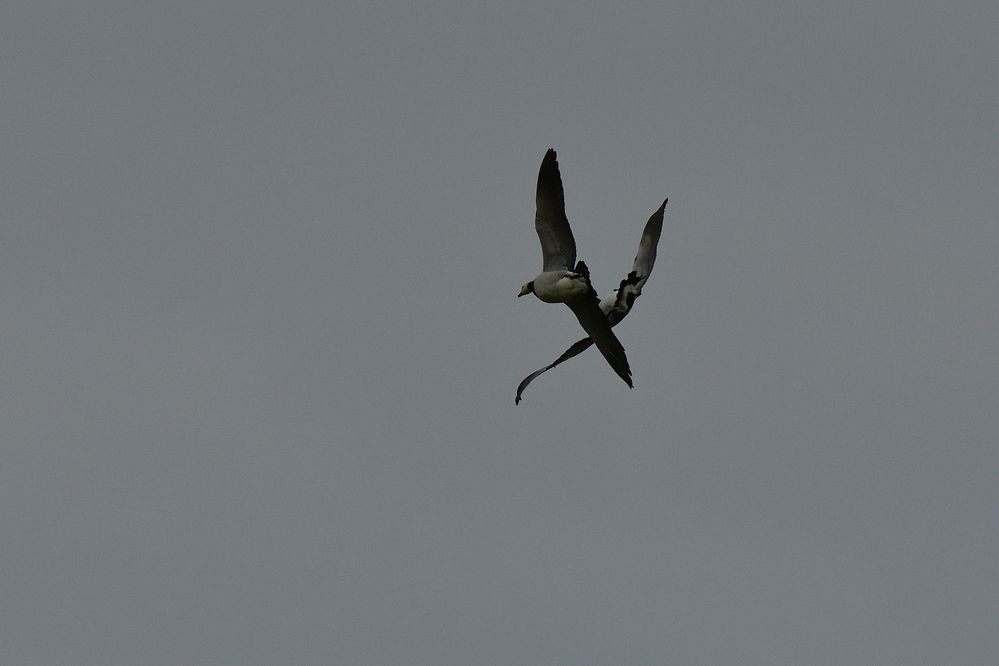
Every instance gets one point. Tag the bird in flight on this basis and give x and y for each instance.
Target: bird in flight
(563, 282)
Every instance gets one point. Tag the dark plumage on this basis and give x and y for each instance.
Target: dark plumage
(614, 307)
(561, 282)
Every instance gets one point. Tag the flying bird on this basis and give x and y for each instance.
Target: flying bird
(560, 282)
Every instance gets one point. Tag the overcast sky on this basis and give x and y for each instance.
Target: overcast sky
(260, 337)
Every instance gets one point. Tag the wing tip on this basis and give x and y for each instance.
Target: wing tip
(625, 376)
(548, 174)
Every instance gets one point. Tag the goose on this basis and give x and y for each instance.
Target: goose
(561, 282)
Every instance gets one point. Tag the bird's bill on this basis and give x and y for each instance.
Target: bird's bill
(525, 290)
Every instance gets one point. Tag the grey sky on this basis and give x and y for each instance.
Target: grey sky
(260, 334)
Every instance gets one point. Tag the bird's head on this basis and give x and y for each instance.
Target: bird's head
(528, 288)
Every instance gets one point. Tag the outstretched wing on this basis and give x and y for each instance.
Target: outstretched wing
(646, 257)
(617, 304)
(593, 321)
(558, 247)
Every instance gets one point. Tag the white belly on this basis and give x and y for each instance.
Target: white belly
(559, 288)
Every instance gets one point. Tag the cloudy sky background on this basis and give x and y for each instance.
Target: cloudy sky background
(260, 335)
